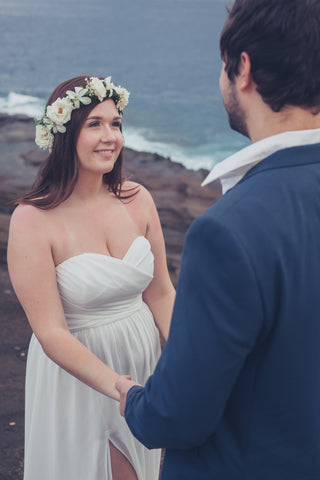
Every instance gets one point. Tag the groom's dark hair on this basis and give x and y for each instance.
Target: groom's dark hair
(282, 39)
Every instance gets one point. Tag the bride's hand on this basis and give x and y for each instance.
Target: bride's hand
(123, 385)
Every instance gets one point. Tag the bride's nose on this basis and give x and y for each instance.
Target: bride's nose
(107, 135)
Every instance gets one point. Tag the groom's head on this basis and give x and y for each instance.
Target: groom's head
(282, 41)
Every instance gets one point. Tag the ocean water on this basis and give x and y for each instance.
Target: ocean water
(165, 52)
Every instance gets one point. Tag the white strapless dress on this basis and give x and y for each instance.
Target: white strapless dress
(68, 424)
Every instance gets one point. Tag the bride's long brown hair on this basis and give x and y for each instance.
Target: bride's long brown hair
(58, 174)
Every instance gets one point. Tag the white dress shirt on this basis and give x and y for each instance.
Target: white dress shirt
(231, 170)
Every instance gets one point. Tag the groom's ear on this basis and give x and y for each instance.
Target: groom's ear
(244, 76)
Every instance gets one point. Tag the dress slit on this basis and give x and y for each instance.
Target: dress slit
(116, 454)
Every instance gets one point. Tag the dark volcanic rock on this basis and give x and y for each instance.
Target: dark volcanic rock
(179, 199)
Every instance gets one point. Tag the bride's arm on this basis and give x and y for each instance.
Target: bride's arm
(32, 272)
(160, 293)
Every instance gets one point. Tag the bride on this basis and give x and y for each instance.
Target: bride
(86, 258)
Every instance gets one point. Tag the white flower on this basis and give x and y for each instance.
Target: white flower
(58, 128)
(109, 85)
(97, 87)
(80, 95)
(124, 97)
(60, 111)
(44, 138)
(52, 126)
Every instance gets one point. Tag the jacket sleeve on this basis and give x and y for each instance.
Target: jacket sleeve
(216, 320)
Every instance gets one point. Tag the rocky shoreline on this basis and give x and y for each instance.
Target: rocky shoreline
(179, 199)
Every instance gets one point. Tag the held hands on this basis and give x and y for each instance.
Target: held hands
(123, 385)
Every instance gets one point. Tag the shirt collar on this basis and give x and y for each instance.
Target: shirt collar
(231, 170)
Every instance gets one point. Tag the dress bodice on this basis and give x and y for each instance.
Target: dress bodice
(96, 288)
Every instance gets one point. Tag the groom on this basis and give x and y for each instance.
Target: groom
(236, 392)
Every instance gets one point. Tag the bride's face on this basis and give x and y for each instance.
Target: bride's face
(100, 139)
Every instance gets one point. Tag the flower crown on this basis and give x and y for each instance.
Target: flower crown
(59, 113)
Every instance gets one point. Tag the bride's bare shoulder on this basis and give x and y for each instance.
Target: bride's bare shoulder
(26, 211)
(140, 193)
(28, 216)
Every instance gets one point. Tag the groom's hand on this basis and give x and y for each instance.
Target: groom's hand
(123, 385)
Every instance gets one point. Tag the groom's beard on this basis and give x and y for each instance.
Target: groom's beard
(236, 115)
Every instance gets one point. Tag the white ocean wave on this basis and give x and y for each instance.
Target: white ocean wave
(16, 103)
(189, 157)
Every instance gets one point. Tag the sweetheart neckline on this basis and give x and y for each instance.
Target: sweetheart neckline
(102, 254)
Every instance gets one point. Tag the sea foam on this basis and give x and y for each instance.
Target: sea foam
(16, 103)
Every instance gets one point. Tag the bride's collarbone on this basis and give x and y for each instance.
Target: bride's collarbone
(104, 231)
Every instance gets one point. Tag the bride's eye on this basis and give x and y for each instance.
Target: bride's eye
(116, 124)
(94, 124)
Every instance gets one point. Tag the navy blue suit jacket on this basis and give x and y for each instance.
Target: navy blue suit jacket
(236, 392)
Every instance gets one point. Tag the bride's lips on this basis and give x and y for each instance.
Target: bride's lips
(104, 151)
